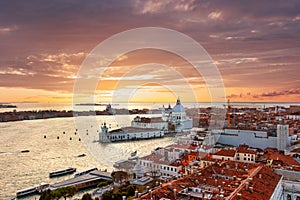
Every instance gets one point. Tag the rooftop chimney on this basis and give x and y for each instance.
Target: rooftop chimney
(250, 180)
(259, 175)
(222, 197)
(247, 185)
(239, 196)
(251, 189)
(175, 193)
(223, 184)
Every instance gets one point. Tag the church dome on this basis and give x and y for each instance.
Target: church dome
(178, 107)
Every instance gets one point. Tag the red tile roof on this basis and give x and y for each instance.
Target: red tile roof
(226, 152)
(227, 177)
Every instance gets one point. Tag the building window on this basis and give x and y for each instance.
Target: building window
(244, 158)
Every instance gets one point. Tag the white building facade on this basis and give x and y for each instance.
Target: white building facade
(257, 139)
(177, 116)
(128, 133)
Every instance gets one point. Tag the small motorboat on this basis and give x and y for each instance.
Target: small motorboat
(133, 154)
(25, 151)
(81, 155)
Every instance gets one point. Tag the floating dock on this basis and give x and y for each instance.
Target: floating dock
(87, 180)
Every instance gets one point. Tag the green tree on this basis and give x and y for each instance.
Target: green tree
(87, 196)
(46, 195)
(65, 192)
(130, 190)
(108, 195)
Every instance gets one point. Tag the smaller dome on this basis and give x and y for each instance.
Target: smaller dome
(178, 107)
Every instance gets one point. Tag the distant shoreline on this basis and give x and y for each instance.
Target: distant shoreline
(47, 114)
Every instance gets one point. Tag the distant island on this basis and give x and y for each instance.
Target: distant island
(7, 106)
(94, 104)
(45, 114)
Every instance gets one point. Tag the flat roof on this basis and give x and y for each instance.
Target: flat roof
(131, 129)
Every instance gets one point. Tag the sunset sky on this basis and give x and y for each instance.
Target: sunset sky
(254, 44)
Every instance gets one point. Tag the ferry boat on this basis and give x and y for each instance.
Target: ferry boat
(85, 172)
(62, 172)
(32, 190)
(26, 192)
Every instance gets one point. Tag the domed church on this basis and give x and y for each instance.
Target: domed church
(177, 117)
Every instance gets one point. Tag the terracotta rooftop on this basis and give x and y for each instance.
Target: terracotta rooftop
(261, 187)
(247, 151)
(285, 160)
(209, 158)
(228, 178)
(225, 152)
(296, 150)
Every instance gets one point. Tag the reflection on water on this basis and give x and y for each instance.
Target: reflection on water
(22, 170)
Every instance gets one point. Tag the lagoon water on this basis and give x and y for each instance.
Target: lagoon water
(23, 170)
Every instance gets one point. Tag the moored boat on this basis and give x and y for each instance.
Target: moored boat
(26, 192)
(85, 172)
(69, 170)
(133, 154)
(32, 190)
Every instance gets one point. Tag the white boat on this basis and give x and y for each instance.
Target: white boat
(133, 154)
(26, 192)
(85, 172)
(33, 190)
(62, 172)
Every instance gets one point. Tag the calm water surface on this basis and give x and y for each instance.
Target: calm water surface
(22, 170)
